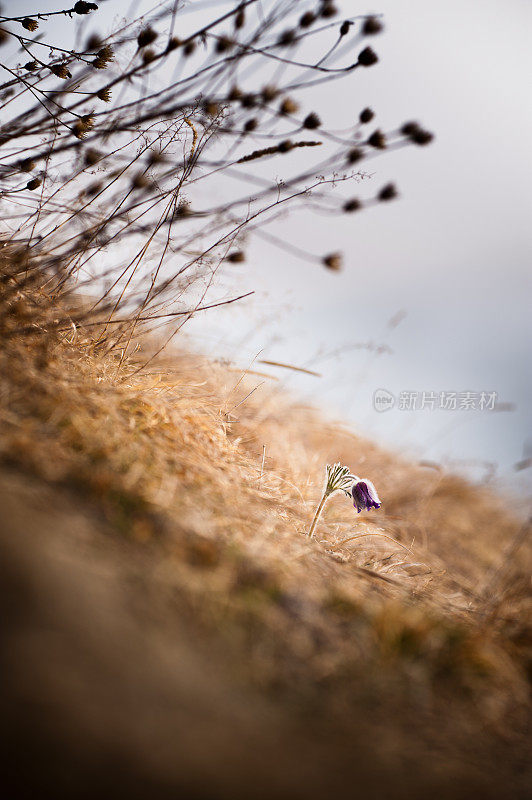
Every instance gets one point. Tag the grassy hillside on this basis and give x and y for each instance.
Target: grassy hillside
(173, 629)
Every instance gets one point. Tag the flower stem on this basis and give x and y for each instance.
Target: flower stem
(317, 515)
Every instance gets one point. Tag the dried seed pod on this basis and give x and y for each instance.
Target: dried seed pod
(285, 146)
(355, 155)
(103, 57)
(79, 129)
(388, 192)
(154, 157)
(211, 107)
(33, 184)
(224, 44)
(328, 10)
(366, 115)
(371, 26)
(312, 121)
(140, 181)
(240, 18)
(29, 24)
(377, 140)
(183, 210)
(422, 137)
(248, 100)
(352, 205)
(269, 93)
(91, 157)
(416, 134)
(26, 165)
(237, 257)
(93, 189)
(333, 261)
(286, 38)
(60, 70)
(344, 27)
(146, 37)
(288, 106)
(251, 125)
(409, 128)
(234, 94)
(308, 19)
(173, 44)
(94, 42)
(84, 8)
(148, 56)
(104, 94)
(367, 57)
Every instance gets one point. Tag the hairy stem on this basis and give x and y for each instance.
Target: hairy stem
(317, 515)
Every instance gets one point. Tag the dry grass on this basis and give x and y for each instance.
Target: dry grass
(401, 624)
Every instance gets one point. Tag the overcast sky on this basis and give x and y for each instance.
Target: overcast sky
(453, 253)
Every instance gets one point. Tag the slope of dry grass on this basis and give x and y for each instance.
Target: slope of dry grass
(404, 632)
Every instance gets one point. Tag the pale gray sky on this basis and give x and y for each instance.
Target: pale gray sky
(454, 252)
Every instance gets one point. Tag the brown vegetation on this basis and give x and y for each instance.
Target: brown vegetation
(169, 506)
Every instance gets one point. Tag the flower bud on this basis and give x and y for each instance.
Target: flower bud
(364, 495)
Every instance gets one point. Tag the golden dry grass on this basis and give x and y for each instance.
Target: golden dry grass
(406, 623)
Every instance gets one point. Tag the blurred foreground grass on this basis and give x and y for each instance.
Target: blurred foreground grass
(173, 629)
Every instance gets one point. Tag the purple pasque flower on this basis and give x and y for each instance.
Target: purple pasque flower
(365, 495)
